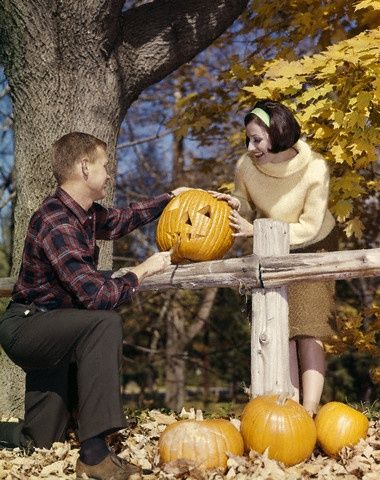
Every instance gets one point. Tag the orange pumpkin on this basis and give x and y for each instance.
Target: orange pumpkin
(205, 442)
(196, 226)
(281, 425)
(338, 426)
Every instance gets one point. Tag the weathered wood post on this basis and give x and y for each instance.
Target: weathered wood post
(270, 330)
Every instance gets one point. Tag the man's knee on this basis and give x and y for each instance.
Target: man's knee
(103, 327)
(113, 318)
(111, 322)
(113, 315)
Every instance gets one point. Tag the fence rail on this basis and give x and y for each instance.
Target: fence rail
(254, 271)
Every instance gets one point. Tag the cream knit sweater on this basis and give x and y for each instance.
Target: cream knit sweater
(295, 192)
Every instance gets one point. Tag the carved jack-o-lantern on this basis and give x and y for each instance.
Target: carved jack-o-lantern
(196, 226)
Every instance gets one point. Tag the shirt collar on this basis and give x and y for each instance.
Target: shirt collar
(72, 205)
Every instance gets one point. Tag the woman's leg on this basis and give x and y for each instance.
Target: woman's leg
(294, 369)
(312, 365)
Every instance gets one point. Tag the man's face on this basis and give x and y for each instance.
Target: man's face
(98, 175)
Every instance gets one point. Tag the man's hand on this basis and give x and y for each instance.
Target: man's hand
(158, 262)
(232, 201)
(241, 226)
(121, 272)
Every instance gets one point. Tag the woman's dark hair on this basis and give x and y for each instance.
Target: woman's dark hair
(284, 130)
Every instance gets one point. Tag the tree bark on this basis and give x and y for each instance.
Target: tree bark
(78, 66)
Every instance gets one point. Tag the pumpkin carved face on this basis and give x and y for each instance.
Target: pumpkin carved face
(196, 226)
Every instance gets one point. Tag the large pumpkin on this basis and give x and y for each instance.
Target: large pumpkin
(205, 442)
(196, 226)
(338, 426)
(281, 425)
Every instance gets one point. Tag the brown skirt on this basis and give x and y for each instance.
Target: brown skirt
(312, 304)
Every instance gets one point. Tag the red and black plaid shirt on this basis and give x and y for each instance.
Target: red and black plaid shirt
(60, 254)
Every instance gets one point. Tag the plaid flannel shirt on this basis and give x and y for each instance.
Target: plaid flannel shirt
(60, 253)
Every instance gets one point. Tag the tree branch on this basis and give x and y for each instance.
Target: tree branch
(161, 35)
(7, 200)
(145, 139)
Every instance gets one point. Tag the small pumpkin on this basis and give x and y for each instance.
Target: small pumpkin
(338, 426)
(280, 425)
(205, 442)
(196, 226)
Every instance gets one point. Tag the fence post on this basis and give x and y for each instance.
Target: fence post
(269, 328)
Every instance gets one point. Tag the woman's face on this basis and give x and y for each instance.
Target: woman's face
(259, 143)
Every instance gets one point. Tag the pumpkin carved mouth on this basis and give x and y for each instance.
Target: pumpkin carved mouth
(193, 224)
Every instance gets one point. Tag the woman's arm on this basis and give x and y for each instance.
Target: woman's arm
(315, 207)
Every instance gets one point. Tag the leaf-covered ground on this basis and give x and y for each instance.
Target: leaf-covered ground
(139, 444)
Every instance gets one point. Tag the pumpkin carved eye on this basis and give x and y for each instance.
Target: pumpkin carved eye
(196, 225)
(206, 211)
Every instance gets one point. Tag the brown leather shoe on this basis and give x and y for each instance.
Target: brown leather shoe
(111, 468)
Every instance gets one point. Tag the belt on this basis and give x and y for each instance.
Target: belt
(30, 308)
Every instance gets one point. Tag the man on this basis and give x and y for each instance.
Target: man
(62, 309)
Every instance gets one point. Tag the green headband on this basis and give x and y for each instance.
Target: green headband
(263, 115)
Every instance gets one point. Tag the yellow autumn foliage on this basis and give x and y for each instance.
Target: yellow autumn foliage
(352, 333)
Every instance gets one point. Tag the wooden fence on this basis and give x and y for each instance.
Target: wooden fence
(264, 275)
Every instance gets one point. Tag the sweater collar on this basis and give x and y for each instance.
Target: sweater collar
(285, 169)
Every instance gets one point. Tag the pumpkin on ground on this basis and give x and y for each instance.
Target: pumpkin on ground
(338, 426)
(205, 442)
(196, 226)
(280, 425)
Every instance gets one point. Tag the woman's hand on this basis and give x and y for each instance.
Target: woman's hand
(232, 201)
(157, 263)
(241, 226)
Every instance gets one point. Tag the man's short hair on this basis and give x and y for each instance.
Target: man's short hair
(69, 149)
(284, 130)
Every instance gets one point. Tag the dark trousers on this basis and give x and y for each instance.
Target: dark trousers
(46, 345)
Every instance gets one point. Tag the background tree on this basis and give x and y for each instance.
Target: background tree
(79, 66)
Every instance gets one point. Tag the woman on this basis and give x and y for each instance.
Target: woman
(281, 178)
